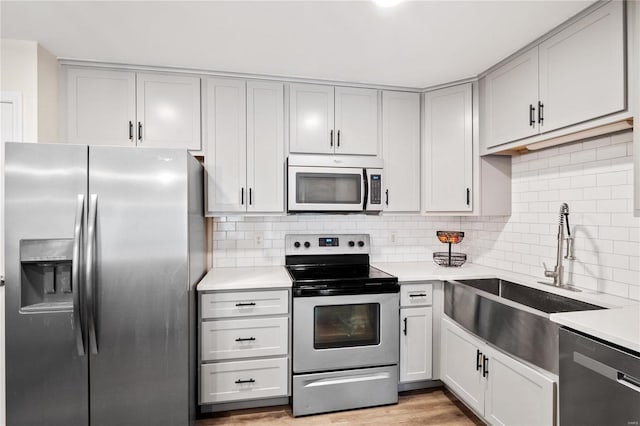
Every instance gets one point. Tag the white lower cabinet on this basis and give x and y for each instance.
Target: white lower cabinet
(243, 380)
(244, 346)
(416, 332)
(496, 386)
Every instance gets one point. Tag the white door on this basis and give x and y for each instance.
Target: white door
(448, 150)
(226, 153)
(10, 131)
(101, 107)
(356, 121)
(265, 147)
(582, 69)
(461, 364)
(168, 111)
(415, 344)
(401, 151)
(311, 116)
(511, 100)
(517, 394)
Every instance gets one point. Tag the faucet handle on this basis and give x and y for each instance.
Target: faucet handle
(549, 273)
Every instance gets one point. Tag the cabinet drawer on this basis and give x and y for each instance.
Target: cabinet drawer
(249, 303)
(416, 294)
(244, 338)
(234, 381)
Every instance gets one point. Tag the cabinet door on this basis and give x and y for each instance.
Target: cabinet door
(511, 100)
(517, 394)
(448, 150)
(415, 344)
(401, 151)
(265, 146)
(311, 119)
(461, 369)
(168, 111)
(582, 69)
(226, 154)
(356, 121)
(101, 107)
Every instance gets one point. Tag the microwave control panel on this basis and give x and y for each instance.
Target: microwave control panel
(376, 189)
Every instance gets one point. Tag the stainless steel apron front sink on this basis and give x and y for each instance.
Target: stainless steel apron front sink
(513, 317)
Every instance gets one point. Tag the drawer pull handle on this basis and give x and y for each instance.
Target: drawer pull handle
(418, 295)
(238, 382)
(245, 339)
(246, 304)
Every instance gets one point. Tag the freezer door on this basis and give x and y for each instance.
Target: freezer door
(137, 286)
(46, 371)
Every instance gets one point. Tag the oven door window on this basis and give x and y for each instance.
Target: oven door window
(343, 326)
(328, 188)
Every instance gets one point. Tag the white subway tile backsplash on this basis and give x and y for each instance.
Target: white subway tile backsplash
(594, 177)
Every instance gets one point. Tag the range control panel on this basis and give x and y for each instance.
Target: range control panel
(297, 244)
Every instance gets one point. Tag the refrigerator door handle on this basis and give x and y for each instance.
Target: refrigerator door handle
(75, 274)
(90, 273)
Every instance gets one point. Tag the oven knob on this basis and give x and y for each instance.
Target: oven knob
(360, 243)
(351, 244)
(296, 244)
(307, 244)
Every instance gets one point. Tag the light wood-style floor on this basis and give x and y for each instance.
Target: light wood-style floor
(424, 407)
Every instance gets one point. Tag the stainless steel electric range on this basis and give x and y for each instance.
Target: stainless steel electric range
(345, 325)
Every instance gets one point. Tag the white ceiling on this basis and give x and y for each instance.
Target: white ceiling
(415, 44)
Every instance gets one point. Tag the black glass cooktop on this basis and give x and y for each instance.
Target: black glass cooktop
(318, 279)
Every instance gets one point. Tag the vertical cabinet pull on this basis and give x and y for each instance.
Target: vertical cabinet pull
(130, 130)
(478, 360)
(540, 112)
(242, 196)
(405, 327)
(338, 138)
(468, 196)
(386, 193)
(139, 130)
(485, 369)
(250, 197)
(532, 120)
(331, 138)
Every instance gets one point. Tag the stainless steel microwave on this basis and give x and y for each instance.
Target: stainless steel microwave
(334, 184)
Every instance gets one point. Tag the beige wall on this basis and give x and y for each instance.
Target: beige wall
(32, 71)
(18, 73)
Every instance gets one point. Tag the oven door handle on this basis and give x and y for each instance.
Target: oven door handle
(366, 189)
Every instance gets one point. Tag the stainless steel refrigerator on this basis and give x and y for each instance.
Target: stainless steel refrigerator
(104, 247)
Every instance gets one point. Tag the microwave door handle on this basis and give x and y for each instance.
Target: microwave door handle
(366, 189)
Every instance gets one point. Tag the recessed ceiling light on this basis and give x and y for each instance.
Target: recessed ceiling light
(387, 3)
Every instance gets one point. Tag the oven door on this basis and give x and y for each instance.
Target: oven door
(326, 189)
(338, 332)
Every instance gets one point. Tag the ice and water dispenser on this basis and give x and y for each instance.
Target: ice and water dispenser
(46, 274)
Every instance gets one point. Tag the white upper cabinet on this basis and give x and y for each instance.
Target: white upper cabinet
(168, 110)
(127, 109)
(574, 76)
(101, 107)
(448, 149)
(245, 146)
(328, 120)
(401, 151)
(511, 100)
(311, 119)
(356, 121)
(225, 157)
(582, 69)
(265, 146)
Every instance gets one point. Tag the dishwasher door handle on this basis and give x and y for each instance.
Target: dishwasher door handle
(607, 371)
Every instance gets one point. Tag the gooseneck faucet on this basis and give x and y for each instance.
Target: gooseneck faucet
(557, 273)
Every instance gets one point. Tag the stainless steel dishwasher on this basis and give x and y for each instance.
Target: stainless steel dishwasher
(599, 383)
